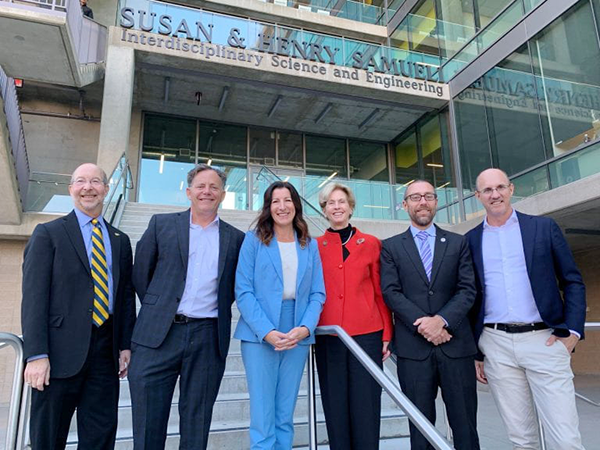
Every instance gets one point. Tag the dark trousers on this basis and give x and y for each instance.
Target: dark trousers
(190, 352)
(94, 392)
(420, 380)
(351, 397)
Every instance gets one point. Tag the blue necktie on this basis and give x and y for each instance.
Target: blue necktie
(99, 275)
(425, 252)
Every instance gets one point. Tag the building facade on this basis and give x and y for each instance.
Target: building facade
(374, 94)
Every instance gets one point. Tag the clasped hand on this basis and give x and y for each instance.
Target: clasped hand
(286, 341)
(433, 329)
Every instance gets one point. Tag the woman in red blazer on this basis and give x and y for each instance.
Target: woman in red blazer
(351, 397)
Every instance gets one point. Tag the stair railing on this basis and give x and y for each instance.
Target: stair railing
(14, 411)
(390, 386)
(121, 183)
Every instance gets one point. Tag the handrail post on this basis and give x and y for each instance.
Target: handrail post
(312, 400)
(17, 388)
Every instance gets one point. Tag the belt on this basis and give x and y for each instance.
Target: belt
(180, 318)
(517, 327)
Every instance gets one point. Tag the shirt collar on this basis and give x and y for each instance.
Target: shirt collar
(83, 219)
(511, 220)
(212, 224)
(430, 230)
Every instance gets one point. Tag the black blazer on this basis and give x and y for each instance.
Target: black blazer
(410, 295)
(58, 295)
(548, 259)
(160, 271)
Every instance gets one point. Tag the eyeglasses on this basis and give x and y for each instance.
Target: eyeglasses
(417, 197)
(501, 189)
(96, 182)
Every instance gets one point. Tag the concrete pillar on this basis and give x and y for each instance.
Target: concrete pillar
(116, 106)
(10, 200)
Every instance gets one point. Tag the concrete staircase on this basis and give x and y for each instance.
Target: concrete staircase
(231, 414)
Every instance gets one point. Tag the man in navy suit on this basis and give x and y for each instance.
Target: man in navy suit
(427, 281)
(78, 313)
(184, 276)
(526, 330)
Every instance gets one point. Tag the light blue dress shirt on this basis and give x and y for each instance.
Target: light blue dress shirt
(431, 239)
(508, 294)
(86, 226)
(200, 296)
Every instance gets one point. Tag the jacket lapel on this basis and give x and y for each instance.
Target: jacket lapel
(115, 247)
(273, 252)
(224, 235)
(183, 236)
(408, 242)
(528, 229)
(74, 233)
(303, 254)
(439, 251)
(477, 252)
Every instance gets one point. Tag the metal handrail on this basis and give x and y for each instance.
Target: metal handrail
(125, 178)
(412, 412)
(17, 388)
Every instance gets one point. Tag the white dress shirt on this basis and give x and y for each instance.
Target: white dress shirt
(199, 299)
(289, 266)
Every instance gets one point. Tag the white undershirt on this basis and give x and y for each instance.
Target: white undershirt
(289, 266)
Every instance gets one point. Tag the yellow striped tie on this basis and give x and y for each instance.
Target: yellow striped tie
(100, 276)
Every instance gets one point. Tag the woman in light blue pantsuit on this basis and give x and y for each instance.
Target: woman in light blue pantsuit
(280, 292)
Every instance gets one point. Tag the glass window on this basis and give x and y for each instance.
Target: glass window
(407, 161)
(472, 134)
(168, 153)
(368, 161)
(423, 28)
(488, 9)
(456, 25)
(326, 157)
(224, 146)
(289, 149)
(566, 61)
(262, 146)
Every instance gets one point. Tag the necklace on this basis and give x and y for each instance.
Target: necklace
(349, 237)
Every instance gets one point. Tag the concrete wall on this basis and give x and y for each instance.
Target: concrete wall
(11, 257)
(586, 359)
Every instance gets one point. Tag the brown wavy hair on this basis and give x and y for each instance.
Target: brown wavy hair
(264, 223)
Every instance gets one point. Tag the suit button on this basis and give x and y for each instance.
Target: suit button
(341, 266)
(341, 296)
(430, 292)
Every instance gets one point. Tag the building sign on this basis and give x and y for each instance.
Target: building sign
(210, 36)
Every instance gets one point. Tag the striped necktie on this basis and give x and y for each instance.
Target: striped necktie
(425, 252)
(100, 276)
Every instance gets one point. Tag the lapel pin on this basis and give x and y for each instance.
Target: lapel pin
(360, 241)
(443, 240)
(117, 234)
(324, 242)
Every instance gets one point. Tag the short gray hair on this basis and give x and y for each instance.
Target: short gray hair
(201, 168)
(326, 192)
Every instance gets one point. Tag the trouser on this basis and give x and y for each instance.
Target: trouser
(526, 375)
(273, 383)
(94, 392)
(189, 353)
(350, 395)
(420, 381)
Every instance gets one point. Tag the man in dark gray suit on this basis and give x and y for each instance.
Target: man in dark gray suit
(427, 280)
(184, 276)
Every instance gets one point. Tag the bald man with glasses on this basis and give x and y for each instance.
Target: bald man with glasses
(528, 317)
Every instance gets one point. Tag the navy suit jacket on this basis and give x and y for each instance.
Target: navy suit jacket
(58, 295)
(410, 295)
(551, 269)
(160, 271)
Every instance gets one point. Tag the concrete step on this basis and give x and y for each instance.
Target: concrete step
(233, 435)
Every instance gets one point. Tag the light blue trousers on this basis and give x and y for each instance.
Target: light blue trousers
(273, 383)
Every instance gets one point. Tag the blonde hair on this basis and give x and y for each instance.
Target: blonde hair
(326, 192)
